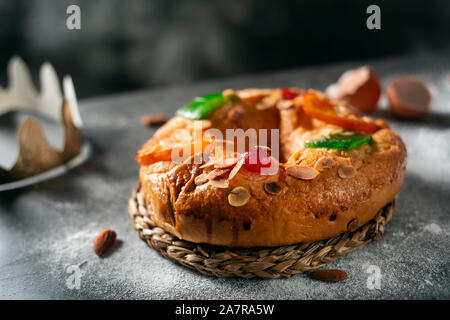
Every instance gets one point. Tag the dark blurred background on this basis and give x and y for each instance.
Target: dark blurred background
(134, 44)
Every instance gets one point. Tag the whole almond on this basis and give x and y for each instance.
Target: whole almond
(331, 275)
(153, 119)
(104, 241)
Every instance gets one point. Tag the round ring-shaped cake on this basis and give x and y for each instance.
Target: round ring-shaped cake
(269, 167)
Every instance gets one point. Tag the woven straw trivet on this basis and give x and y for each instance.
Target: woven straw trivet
(269, 263)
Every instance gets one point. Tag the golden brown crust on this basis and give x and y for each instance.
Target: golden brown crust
(349, 190)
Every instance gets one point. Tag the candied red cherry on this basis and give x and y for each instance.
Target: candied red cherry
(288, 94)
(256, 158)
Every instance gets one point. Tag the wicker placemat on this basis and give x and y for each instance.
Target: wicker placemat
(269, 263)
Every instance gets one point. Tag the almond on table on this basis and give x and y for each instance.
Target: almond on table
(153, 119)
(330, 275)
(104, 241)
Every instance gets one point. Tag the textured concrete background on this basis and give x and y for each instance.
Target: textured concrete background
(48, 227)
(134, 44)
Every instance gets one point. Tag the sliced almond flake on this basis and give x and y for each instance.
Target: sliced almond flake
(225, 163)
(238, 197)
(156, 149)
(198, 124)
(285, 104)
(221, 183)
(218, 173)
(201, 179)
(346, 171)
(253, 93)
(236, 168)
(324, 163)
(266, 103)
(303, 173)
(294, 157)
(210, 163)
(382, 123)
(213, 159)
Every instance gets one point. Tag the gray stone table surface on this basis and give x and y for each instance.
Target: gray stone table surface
(46, 228)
